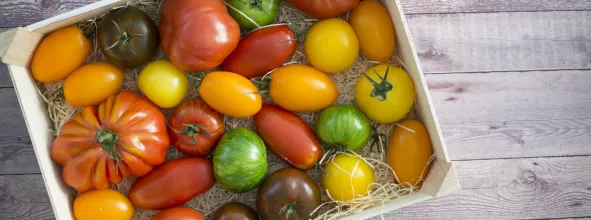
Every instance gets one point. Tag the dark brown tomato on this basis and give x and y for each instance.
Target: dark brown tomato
(261, 51)
(234, 211)
(128, 37)
(288, 193)
(324, 8)
(178, 213)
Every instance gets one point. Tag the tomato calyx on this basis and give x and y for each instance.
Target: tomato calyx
(381, 89)
(124, 37)
(108, 141)
(264, 82)
(258, 4)
(290, 209)
(192, 130)
(378, 139)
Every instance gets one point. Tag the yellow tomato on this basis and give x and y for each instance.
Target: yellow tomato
(59, 54)
(302, 88)
(374, 29)
(230, 94)
(163, 83)
(385, 101)
(331, 45)
(409, 150)
(348, 177)
(102, 204)
(92, 84)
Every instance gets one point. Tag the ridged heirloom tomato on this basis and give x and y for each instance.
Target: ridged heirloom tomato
(324, 8)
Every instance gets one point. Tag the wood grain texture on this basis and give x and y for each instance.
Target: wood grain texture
(463, 6)
(24, 197)
(5, 80)
(16, 13)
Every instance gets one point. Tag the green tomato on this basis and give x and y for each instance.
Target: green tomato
(263, 12)
(343, 126)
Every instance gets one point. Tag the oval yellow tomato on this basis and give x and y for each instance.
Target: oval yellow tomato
(385, 93)
(92, 84)
(331, 45)
(374, 29)
(230, 94)
(348, 177)
(163, 83)
(409, 153)
(102, 204)
(302, 88)
(59, 54)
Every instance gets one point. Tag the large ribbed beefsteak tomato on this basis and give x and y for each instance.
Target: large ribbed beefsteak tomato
(123, 137)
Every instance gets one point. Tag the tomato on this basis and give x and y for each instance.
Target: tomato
(123, 137)
(49, 63)
(385, 93)
(261, 51)
(251, 14)
(409, 153)
(288, 136)
(178, 213)
(343, 126)
(197, 34)
(240, 160)
(331, 45)
(92, 84)
(230, 94)
(195, 128)
(288, 193)
(127, 37)
(102, 204)
(173, 183)
(347, 177)
(324, 8)
(302, 88)
(234, 211)
(163, 83)
(374, 28)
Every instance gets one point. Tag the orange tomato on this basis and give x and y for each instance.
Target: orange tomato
(374, 29)
(178, 213)
(230, 94)
(102, 204)
(92, 84)
(409, 152)
(59, 54)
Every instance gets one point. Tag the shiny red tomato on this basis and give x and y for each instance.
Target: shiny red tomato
(324, 8)
(172, 184)
(197, 34)
(261, 51)
(178, 213)
(195, 128)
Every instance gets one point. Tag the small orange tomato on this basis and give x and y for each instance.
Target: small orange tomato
(230, 94)
(409, 151)
(102, 204)
(374, 29)
(92, 84)
(59, 54)
(178, 213)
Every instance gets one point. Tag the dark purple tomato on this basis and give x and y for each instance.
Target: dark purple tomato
(234, 211)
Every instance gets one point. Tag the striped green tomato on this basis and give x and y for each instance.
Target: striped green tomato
(343, 126)
(240, 160)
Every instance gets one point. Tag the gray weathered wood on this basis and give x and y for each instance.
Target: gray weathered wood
(463, 6)
(15, 13)
(5, 80)
(24, 197)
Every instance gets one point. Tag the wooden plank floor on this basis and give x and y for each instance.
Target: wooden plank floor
(511, 82)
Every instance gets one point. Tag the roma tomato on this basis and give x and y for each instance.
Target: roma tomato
(385, 93)
(127, 37)
(348, 177)
(101, 145)
(331, 45)
(251, 14)
(197, 34)
(172, 184)
(261, 51)
(195, 128)
(302, 88)
(288, 193)
(59, 54)
(178, 213)
(324, 8)
(409, 153)
(374, 29)
(92, 84)
(288, 136)
(343, 126)
(234, 211)
(102, 204)
(163, 83)
(230, 94)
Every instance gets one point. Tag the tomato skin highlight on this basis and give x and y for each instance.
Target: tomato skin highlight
(101, 204)
(92, 84)
(348, 177)
(230, 94)
(234, 211)
(178, 213)
(324, 8)
(331, 45)
(374, 28)
(194, 127)
(409, 153)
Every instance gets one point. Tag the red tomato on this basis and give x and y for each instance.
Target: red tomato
(288, 136)
(123, 137)
(178, 213)
(197, 34)
(172, 184)
(324, 8)
(261, 51)
(195, 127)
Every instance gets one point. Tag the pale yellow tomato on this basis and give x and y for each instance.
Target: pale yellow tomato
(374, 28)
(331, 45)
(102, 204)
(348, 177)
(163, 83)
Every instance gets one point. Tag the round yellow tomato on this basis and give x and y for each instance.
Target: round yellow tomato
(331, 45)
(92, 84)
(59, 54)
(409, 150)
(348, 177)
(102, 204)
(230, 94)
(302, 88)
(385, 101)
(163, 83)
(374, 29)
